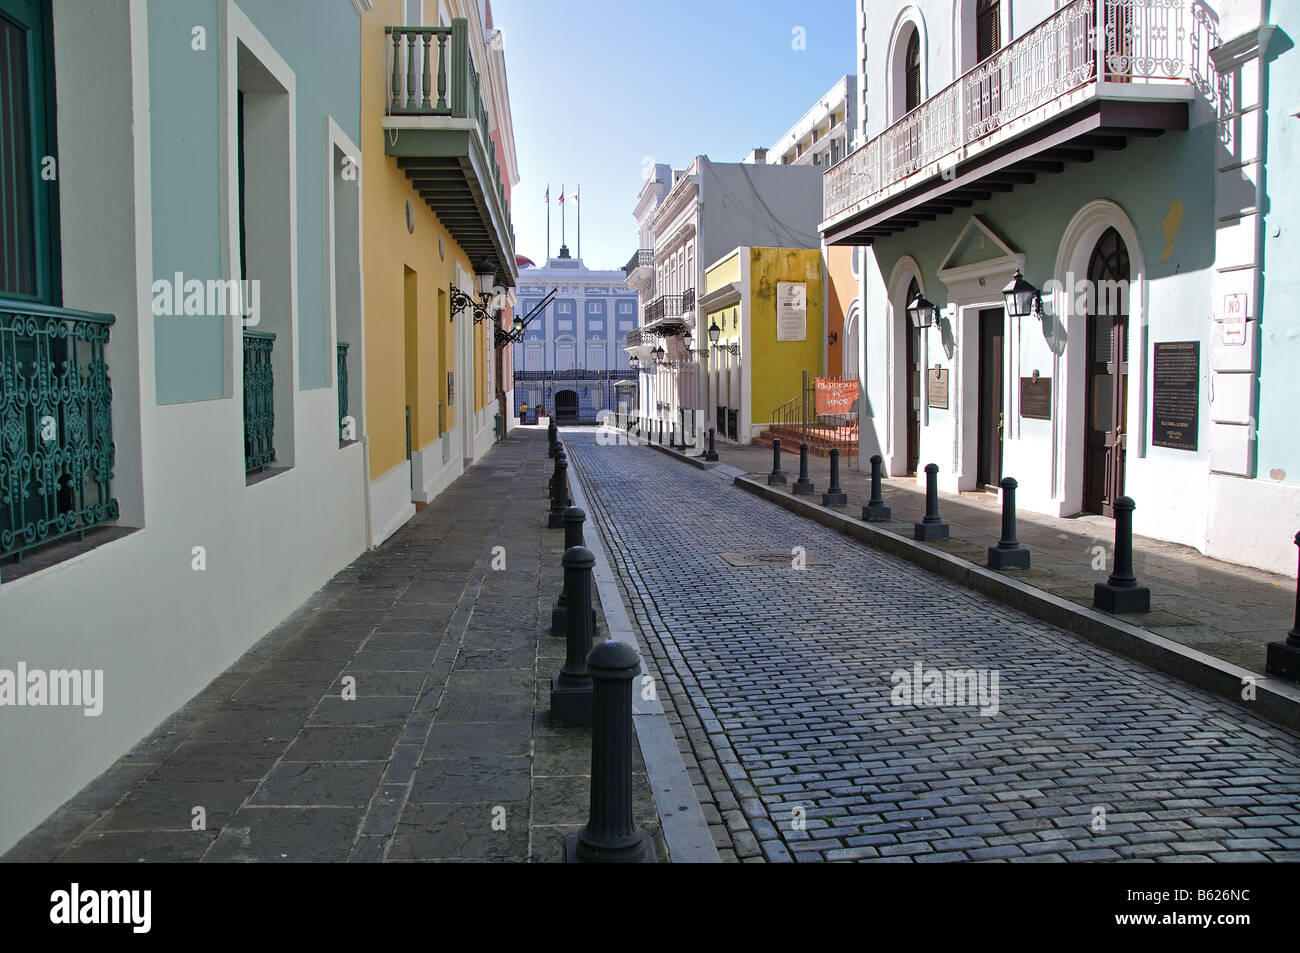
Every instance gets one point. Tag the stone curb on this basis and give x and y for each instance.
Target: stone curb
(692, 461)
(681, 817)
(1276, 700)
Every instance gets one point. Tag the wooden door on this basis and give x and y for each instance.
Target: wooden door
(1107, 408)
(991, 400)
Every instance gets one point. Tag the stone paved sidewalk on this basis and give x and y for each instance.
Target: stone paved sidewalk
(1227, 611)
(448, 732)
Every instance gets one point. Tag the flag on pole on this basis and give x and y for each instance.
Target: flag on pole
(561, 195)
(548, 194)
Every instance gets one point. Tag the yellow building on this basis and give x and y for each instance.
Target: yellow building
(767, 306)
(438, 157)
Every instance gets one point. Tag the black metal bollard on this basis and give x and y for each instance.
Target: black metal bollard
(931, 527)
(1008, 553)
(777, 476)
(574, 518)
(712, 453)
(560, 500)
(552, 437)
(1121, 593)
(611, 834)
(672, 438)
(876, 511)
(803, 486)
(571, 693)
(834, 496)
(1283, 658)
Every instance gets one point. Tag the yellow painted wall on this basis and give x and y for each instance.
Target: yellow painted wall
(723, 273)
(776, 366)
(389, 251)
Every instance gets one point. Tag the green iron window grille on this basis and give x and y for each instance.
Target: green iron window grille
(343, 391)
(56, 425)
(259, 401)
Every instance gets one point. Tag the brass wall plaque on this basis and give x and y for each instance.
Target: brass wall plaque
(1036, 397)
(1176, 394)
(936, 380)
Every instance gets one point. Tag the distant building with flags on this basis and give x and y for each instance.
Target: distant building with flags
(571, 362)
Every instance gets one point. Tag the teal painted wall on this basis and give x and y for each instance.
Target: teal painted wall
(320, 41)
(1279, 385)
(189, 351)
(1145, 179)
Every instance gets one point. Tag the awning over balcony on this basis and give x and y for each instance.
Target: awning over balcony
(1029, 110)
(437, 128)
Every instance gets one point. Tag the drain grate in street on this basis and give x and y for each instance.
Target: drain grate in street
(771, 557)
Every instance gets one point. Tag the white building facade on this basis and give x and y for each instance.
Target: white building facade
(1112, 152)
(711, 209)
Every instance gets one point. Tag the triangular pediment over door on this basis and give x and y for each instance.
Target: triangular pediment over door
(977, 260)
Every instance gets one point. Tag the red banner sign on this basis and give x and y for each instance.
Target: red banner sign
(835, 397)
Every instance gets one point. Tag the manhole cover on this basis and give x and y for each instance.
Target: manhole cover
(772, 557)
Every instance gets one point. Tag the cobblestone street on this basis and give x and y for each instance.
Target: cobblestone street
(781, 680)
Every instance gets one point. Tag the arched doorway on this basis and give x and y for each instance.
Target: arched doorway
(1106, 410)
(566, 408)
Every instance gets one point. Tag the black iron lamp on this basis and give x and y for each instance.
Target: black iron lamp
(485, 274)
(1022, 298)
(922, 312)
(688, 339)
(714, 332)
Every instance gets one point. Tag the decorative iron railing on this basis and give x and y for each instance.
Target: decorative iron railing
(259, 400)
(664, 306)
(432, 73)
(574, 374)
(342, 380)
(799, 414)
(56, 425)
(634, 338)
(1152, 41)
(688, 300)
(641, 258)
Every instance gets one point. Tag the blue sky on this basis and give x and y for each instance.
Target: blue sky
(596, 86)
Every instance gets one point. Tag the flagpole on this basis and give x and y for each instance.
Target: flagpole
(548, 221)
(578, 199)
(562, 242)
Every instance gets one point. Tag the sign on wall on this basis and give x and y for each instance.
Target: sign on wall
(1176, 392)
(1235, 313)
(936, 387)
(1036, 397)
(835, 397)
(791, 311)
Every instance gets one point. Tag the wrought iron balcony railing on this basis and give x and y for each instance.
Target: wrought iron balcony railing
(342, 381)
(259, 401)
(573, 374)
(688, 300)
(56, 425)
(641, 258)
(1148, 41)
(634, 338)
(664, 306)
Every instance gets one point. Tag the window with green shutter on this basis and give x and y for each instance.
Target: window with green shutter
(28, 173)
